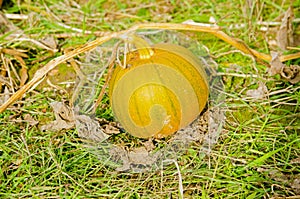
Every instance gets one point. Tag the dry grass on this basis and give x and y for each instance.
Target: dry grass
(257, 155)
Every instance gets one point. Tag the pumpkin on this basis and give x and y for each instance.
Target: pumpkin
(158, 94)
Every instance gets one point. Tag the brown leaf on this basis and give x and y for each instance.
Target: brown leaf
(276, 65)
(296, 183)
(291, 73)
(62, 111)
(137, 160)
(90, 129)
(6, 95)
(295, 161)
(50, 42)
(31, 121)
(111, 129)
(23, 75)
(64, 118)
(15, 53)
(149, 146)
(5, 24)
(284, 35)
(258, 93)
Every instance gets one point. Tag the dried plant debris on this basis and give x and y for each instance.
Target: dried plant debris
(4, 96)
(149, 156)
(290, 180)
(48, 43)
(290, 73)
(259, 93)
(24, 118)
(276, 66)
(295, 161)
(90, 129)
(87, 127)
(64, 118)
(109, 127)
(136, 160)
(30, 120)
(10, 74)
(7, 26)
(295, 184)
(284, 35)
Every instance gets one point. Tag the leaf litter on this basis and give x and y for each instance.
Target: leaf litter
(290, 73)
(290, 180)
(259, 93)
(285, 39)
(13, 68)
(149, 156)
(64, 118)
(285, 33)
(139, 159)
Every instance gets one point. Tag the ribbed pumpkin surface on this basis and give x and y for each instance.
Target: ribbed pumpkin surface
(159, 95)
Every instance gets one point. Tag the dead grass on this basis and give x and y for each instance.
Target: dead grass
(257, 155)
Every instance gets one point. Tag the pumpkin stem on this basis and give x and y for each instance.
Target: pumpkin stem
(144, 49)
(142, 46)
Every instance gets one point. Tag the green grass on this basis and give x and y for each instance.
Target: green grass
(255, 157)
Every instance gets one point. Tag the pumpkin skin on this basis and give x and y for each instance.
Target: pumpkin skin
(157, 95)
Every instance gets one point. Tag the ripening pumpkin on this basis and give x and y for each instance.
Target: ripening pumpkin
(159, 94)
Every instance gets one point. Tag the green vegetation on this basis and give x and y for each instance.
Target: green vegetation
(257, 155)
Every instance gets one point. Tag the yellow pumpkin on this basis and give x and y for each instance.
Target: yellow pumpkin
(157, 95)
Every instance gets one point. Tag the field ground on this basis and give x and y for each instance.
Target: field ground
(257, 154)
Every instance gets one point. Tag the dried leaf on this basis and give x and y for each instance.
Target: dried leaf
(284, 35)
(278, 176)
(6, 25)
(258, 93)
(111, 129)
(195, 131)
(291, 73)
(137, 160)
(141, 156)
(149, 145)
(23, 75)
(30, 120)
(295, 161)
(62, 111)
(108, 126)
(89, 128)
(276, 65)
(16, 53)
(296, 183)
(50, 42)
(6, 94)
(64, 118)
(289, 180)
